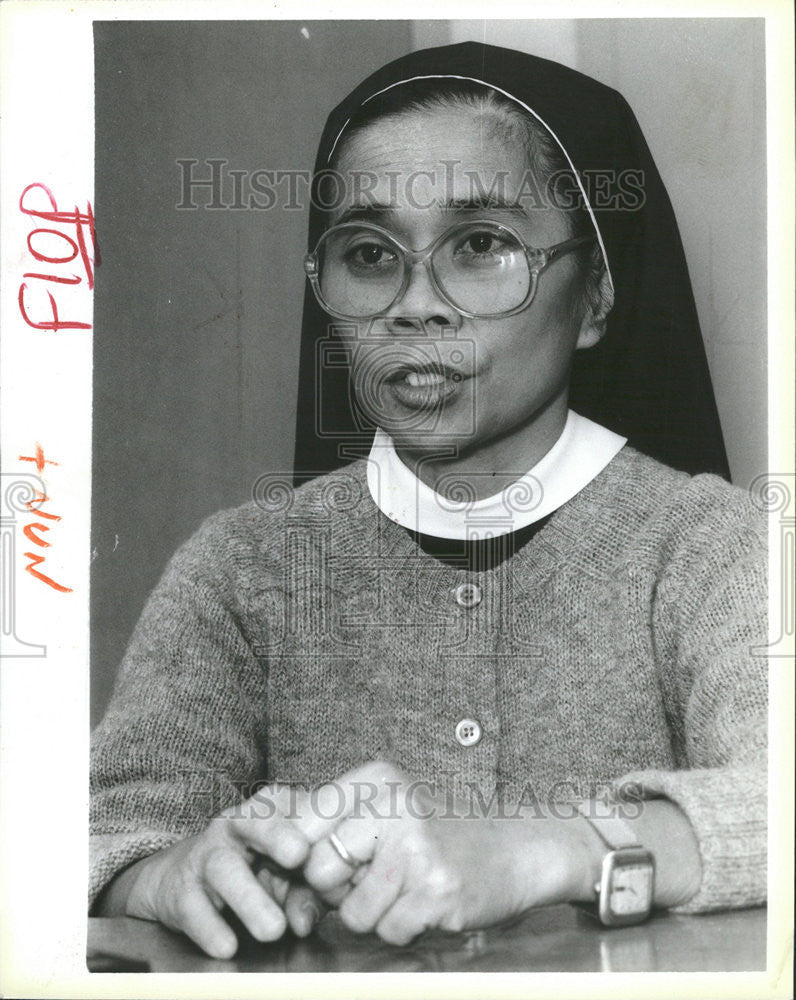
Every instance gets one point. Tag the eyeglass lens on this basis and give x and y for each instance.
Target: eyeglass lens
(482, 268)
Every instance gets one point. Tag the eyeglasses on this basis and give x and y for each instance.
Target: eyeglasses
(482, 269)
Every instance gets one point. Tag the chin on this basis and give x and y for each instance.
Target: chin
(427, 429)
(432, 440)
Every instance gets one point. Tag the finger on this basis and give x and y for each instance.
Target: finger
(302, 909)
(277, 837)
(362, 792)
(325, 807)
(274, 882)
(326, 867)
(267, 822)
(367, 902)
(194, 915)
(229, 875)
(214, 897)
(301, 906)
(334, 897)
(402, 922)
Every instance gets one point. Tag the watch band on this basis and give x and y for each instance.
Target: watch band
(615, 832)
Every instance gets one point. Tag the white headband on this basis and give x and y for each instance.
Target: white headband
(522, 104)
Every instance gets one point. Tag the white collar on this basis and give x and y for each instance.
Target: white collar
(582, 451)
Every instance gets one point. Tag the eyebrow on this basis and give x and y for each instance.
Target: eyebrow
(377, 212)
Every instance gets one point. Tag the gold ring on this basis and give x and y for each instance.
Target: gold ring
(342, 851)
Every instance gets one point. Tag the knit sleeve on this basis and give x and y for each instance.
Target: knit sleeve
(711, 635)
(183, 736)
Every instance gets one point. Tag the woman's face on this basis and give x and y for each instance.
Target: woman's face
(487, 381)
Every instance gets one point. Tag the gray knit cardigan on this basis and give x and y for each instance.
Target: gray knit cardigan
(298, 636)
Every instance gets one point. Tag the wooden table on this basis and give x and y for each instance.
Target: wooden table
(552, 939)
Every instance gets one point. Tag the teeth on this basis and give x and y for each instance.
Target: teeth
(424, 378)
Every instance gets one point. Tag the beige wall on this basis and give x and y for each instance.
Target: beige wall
(697, 89)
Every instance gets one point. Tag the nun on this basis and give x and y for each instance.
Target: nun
(493, 647)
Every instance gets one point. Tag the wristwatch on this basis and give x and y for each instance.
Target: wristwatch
(623, 895)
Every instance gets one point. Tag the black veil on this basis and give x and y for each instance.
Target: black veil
(648, 379)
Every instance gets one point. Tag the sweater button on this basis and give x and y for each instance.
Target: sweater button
(468, 595)
(468, 732)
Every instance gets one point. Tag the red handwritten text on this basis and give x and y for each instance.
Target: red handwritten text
(34, 531)
(53, 246)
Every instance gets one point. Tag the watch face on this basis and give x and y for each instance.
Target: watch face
(631, 889)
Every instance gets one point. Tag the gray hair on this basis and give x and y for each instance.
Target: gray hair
(508, 122)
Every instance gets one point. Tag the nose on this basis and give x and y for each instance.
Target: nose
(421, 307)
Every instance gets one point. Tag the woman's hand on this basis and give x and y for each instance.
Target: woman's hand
(184, 886)
(422, 864)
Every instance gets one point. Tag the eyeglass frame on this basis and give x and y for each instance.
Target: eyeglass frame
(537, 258)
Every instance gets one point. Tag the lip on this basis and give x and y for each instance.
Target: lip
(432, 368)
(425, 397)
